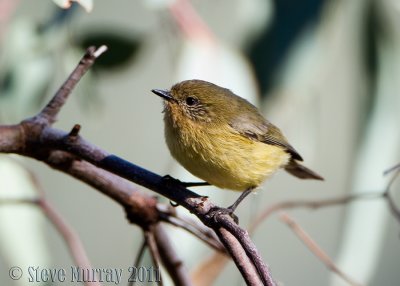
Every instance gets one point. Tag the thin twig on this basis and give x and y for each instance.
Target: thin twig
(138, 258)
(196, 230)
(7, 201)
(170, 259)
(391, 169)
(50, 111)
(69, 234)
(140, 254)
(311, 204)
(314, 248)
(155, 255)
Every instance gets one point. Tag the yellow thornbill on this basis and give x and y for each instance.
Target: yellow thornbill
(223, 139)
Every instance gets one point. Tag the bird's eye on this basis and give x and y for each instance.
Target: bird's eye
(191, 101)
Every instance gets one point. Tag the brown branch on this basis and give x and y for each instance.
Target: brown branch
(310, 204)
(240, 257)
(314, 248)
(200, 232)
(11, 139)
(139, 256)
(172, 262)
(50, 111)
(248, 246)
(71, 154)
(67, 232)
(70, 236)
(155, 255)
(138, 259)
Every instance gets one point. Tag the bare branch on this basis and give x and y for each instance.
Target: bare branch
(243, 262)
(140, 254)
(200, 232)
(314, 248)
(244, 239)
(50, 111)
(72, 239)
(391, 169)
(311, 204)
(155, 255)
(70, 236)
(170, 259)
(138, 258)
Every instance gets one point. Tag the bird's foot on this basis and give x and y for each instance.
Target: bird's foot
(218, 211)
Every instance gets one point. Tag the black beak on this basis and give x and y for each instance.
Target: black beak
(165, 94)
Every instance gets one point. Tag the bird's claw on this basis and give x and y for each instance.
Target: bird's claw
(217, 211)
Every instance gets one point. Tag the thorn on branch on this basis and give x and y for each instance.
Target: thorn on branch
(74, 131)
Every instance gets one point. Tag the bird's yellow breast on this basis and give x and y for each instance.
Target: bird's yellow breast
(222, 157)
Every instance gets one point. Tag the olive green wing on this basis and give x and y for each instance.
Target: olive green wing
(255, 127)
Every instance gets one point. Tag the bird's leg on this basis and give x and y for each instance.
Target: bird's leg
(230, 210)
(240, 199)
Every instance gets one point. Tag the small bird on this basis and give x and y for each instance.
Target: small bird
(223, 139)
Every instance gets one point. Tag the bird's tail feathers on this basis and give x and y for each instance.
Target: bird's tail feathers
(302, 172)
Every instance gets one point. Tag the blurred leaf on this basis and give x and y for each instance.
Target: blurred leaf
(121, 48)
(26, 71)
(65, 4)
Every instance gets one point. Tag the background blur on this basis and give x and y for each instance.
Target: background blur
(325, 72)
